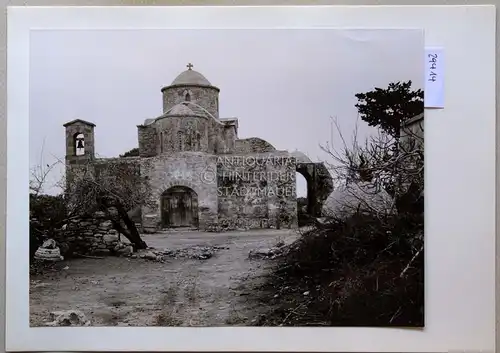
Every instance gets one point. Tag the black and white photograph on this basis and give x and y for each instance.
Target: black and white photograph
(226, 177)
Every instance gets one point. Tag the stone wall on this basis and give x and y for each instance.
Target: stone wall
(256, 191)
(72, 131)
(93, 235)
(233, 191)
(123, 175)
(179, 134)
(148, 140)
(126, 169)
(219, 141)
(230, 137)
(175, 133)
(319, 186)
(253, 145)
(205, 96)
(77, 166)
(190, 169)
(74, 172)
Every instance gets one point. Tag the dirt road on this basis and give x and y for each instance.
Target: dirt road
(119, 291)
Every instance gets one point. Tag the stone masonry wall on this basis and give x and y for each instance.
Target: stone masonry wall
(88, 136)
(148, 141)
(230, 138)
(186, 133)
(283, 202)
(194, 170)
(253, 145)
(76, 171)
(218, 142)
(117, 167)
(93, 235)
(207, 97)
(76, 166)
(257, 191)
(121, 174)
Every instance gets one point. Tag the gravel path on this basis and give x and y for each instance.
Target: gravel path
(119, 291)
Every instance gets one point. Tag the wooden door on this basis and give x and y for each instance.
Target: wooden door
(186, 209)
(179, 209)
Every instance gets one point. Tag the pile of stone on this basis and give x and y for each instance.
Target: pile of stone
(68, 318)
(268, 253)
(49, 251)
(195, 252)
(237, 224)
(215, 228)
(225, 227)
(265, 253)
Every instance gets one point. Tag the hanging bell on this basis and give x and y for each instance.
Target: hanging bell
(79, 144)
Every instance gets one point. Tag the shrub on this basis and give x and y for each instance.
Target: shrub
(48, 211)
(303, 218)
(360, 271)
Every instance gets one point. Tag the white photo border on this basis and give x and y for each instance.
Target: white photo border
(460, 182)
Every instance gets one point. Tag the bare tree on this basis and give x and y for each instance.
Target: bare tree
(39, 174)
(113, 188)
(376, 165)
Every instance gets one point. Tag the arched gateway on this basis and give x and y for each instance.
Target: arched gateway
(179, 207)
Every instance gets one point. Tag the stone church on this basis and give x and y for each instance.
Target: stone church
(201, 174)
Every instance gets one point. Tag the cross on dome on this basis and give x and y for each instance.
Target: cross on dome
(190, 77)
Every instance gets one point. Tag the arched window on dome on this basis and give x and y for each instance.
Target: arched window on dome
(187, 97)
(188, 141)
(180, 141)
(198, 141)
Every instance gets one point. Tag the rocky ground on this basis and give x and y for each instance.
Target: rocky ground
(186, 279)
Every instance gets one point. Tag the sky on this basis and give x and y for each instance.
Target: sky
(284, 85)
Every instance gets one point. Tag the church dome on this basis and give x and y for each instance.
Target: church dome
(180, 109)
(186, 109)
(191, 77)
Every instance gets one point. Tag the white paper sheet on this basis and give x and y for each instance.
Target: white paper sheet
(434, 78)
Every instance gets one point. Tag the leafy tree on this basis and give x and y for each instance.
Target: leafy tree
(134, 152)
(389, 108)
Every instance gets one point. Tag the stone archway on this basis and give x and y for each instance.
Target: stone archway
(319, 186)
(303, 200)
(179, 207)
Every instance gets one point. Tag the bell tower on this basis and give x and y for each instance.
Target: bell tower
(79, 146)
(79, 140)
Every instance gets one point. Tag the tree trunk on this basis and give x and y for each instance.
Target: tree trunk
(130, 232)
(133, 234)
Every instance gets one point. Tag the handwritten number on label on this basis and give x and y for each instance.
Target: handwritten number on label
(434, 60)
(432, 67)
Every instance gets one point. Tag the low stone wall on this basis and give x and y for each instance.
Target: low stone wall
(230, 224)
(91, 236)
